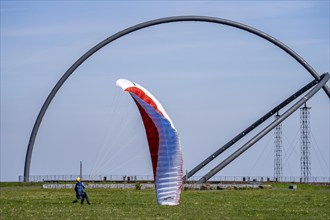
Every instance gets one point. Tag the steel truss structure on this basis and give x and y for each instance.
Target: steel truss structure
(305, 152)
(278, 169)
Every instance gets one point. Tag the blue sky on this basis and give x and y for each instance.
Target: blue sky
(213, 81)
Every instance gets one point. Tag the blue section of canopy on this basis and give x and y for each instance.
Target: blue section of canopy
(169, 170)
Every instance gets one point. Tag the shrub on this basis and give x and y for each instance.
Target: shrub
(138, 186)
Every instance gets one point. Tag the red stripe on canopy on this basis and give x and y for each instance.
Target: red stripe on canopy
(152, 136)
(142, 95)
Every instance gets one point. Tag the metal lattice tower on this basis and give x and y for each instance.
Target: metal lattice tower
(278, 171)
(305, 153)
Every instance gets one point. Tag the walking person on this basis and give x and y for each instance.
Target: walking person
(80, 192)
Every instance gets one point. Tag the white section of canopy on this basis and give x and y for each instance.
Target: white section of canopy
(124, 84)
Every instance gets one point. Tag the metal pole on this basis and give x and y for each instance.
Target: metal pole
(322, 82)
(80, 170)
(250, 128)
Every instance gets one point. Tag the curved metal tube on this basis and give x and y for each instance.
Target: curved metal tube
(138, 27)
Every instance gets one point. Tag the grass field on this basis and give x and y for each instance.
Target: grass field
(32, 202)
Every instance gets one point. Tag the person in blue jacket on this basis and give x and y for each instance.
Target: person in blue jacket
(80, 192)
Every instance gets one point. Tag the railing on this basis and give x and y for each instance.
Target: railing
(295, 179)
(49, 178)
(129, 178)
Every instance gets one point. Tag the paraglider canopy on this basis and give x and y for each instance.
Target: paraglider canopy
(163, 141)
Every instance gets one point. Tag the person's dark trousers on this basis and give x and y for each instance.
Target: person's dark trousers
(85, 196)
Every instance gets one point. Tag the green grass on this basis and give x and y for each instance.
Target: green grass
(307, 202)
(19, 184)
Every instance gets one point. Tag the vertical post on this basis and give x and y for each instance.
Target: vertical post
(80, 170)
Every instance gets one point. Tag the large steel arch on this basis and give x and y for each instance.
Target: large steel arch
(142, 26)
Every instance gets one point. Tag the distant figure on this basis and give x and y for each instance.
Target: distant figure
(80, 192)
